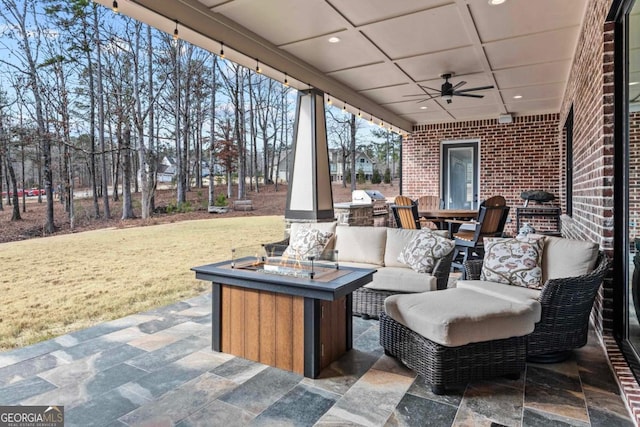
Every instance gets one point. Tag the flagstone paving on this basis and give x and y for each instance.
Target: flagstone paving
(158, 369)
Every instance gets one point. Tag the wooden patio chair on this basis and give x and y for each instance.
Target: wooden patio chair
(430, 203)
(469, 238)
(405, 212)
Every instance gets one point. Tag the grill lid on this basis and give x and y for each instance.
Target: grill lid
(366, 197)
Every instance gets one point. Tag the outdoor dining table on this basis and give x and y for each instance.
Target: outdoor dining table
(440, 217)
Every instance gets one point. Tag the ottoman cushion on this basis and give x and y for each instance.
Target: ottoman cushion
(517, 294)
(456, 317)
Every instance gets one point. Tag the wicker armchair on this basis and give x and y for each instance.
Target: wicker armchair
(369, 303)
(566, 307)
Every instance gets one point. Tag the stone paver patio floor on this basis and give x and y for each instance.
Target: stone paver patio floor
(158, 369)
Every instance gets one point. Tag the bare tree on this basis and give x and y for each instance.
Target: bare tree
(212, 129)
(5, 153)
(101, 127)
(339, 133)
(18, 18)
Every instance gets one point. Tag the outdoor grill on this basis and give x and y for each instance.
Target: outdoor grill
(371, 197)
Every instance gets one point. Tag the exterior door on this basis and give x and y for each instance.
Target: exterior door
(460, 174)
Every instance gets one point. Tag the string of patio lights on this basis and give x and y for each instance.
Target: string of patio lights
(285, 80)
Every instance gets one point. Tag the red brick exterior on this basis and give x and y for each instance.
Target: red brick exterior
(531, 153)
(523, 155)
(634, 174)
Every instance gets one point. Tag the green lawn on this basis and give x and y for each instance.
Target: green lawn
(55, 285)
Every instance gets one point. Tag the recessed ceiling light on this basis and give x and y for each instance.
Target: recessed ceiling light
(496, 2)
(334, 39)
(423, 107)
(517, 97)
(633, 83)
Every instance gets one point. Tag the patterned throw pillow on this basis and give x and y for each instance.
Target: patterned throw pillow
(424, 250)
(309, 242)
(513, 261)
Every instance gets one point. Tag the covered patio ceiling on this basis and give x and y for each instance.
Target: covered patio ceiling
(388, 49)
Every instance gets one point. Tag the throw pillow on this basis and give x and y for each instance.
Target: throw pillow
(424, 250)
(308, 243)
(513, 261)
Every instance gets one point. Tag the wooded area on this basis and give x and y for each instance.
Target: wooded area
(94, 100)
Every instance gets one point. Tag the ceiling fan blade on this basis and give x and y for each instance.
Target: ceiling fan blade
(457, 85)
(416, 94)
(424, 100)
(429, 88)
(470, 95)
(471, 89)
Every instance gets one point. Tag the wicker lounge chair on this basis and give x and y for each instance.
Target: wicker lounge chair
(566, 307)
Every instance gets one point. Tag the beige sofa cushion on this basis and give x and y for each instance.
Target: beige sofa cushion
(455, 317)
(397, 279)
(518, 294)
(361, 244)
(397, 239)
(567, 257)
(402, 279)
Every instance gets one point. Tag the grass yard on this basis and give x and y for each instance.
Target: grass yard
(55, 285)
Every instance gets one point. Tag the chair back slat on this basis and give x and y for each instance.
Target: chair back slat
(429, 203)
(492, 220)
(403, 201)
(406, 216)
(495, 201)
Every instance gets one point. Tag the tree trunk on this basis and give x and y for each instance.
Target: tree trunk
(186, 123)
(15, 216)
(354, 172)
(253, 173)
(151, 156)
(181, 190)
(24, 196)
(212, 131)
(127, 207)
(240, 133)
(1, 169)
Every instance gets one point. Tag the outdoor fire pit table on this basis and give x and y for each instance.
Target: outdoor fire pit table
(289, 321)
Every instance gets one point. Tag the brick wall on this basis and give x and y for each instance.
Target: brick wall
(634, 174)
(590, 92)
(508, 162)
(523, 155)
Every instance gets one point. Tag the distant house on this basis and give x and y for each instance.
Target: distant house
(284, 166)
(166, 169)
(363, 162)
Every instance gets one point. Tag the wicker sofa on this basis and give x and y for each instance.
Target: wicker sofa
(377, 247)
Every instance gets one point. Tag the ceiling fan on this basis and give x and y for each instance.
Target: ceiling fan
(449, 90)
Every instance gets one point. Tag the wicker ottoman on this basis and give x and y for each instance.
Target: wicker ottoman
(454, 336)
